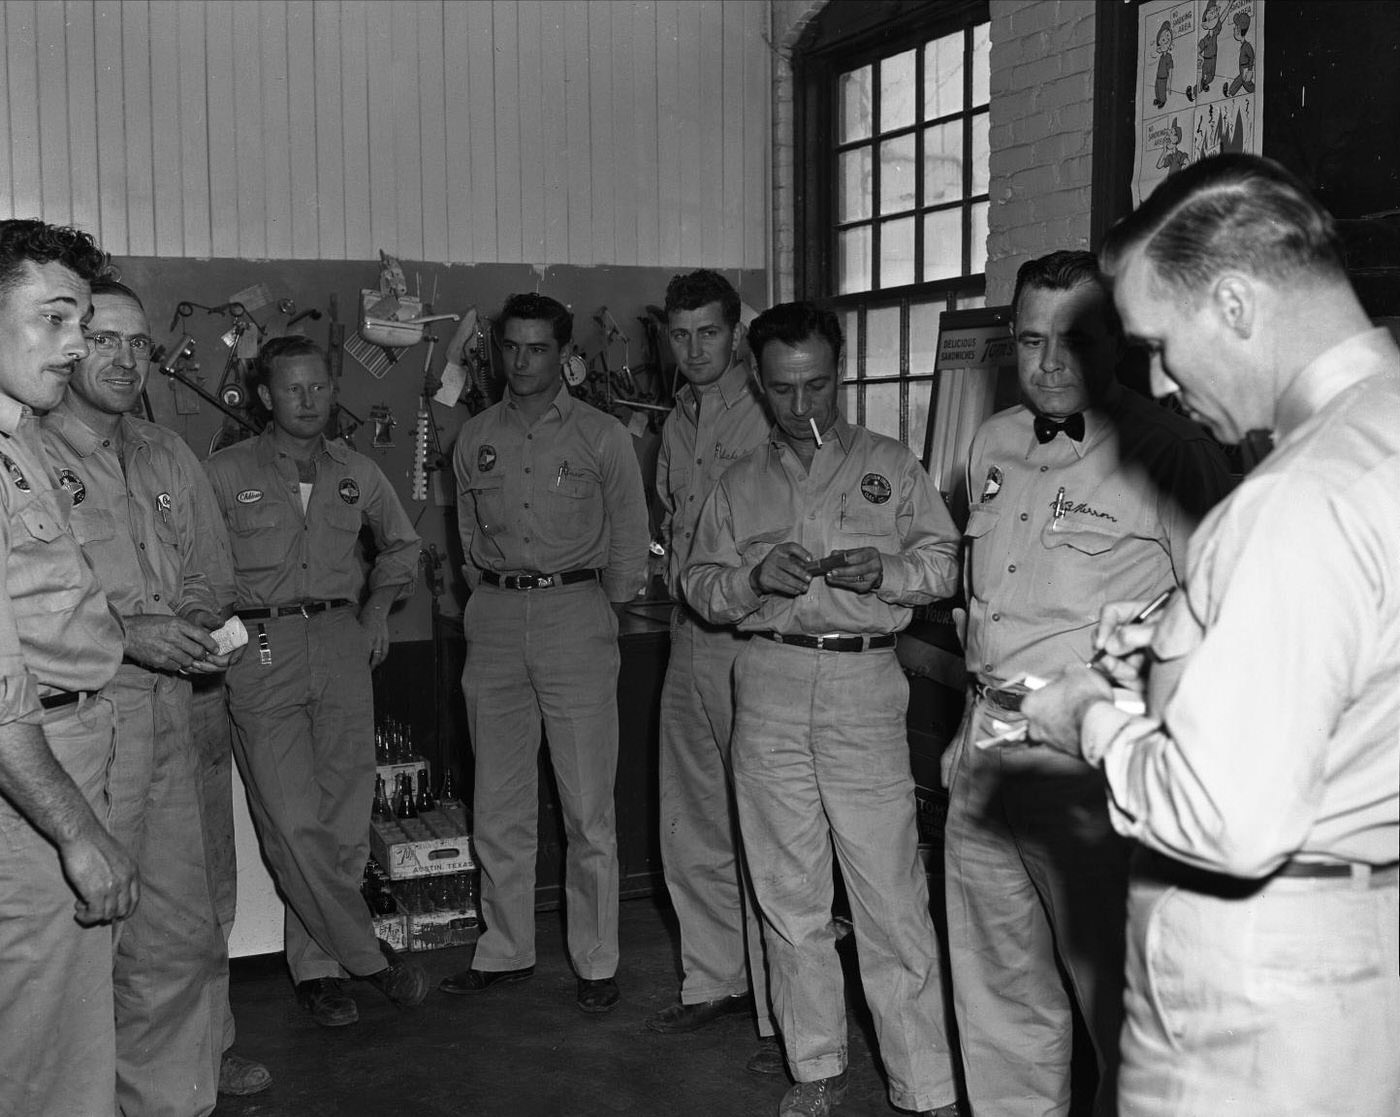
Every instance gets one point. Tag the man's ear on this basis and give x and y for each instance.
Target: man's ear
(1236, 301)
(265, 396)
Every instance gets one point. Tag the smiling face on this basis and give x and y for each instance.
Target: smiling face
(702, 342)
(1191, 352)
(1066, 348)
(41, 332)
(110, 378)
(299, 393)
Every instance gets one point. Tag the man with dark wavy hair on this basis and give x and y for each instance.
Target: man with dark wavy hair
(63, 878)
(1262, 784)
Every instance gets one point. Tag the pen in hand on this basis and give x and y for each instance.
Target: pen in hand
(1142, 614)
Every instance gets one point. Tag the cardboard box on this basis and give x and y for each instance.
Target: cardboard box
(431, 844)
(393, 929)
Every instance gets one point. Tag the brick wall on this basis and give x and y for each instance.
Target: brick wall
(1041, 134)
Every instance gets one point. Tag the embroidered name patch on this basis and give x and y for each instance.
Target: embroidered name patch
(875, 488)
(73, 485)
(249, 496)
(486, 459)
(349, 491)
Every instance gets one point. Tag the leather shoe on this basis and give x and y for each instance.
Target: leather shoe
(327, 1001)
(691, 1018)
(401, 981)
(814, 1099)
(768, 1059)
(239, 1077)
(597, 994)
(476, 981)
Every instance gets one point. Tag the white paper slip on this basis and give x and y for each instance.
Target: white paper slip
(231, 634)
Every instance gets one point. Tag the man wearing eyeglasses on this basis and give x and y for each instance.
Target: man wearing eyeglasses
(63, 879)
(145, 516)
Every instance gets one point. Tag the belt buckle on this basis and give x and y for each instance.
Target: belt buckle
(302, 610)
(544, 581)
(822, 642)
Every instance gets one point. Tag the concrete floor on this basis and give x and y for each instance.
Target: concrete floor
(522, 1050)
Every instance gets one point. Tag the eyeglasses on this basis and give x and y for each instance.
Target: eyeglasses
(104, 342)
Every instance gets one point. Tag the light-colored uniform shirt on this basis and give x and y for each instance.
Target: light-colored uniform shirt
(146, 519)
(863, 490)
(564, 494)
(709, 431)
(283, 555)
(57, 631)
(1274, 730)
(1040, 565)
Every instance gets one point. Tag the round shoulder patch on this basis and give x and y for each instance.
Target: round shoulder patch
(73, 485)
(249, 496)
(349, 491)
(486, 459)
(875, 488)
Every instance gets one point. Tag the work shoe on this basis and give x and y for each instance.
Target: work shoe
(327, 1001)
(691, 1018)
(239, 1077)
(401, 981)
(475, 981)
(597, 994)
(768, 1059)
(814, 1099)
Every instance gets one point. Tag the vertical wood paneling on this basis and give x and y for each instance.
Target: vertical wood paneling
(625, 132)
(193, 171)
(57, 202)
(432, 123)
(578, 139)
(560, 174)
(507, 130)
(301, 128)
(223, 140)
(140, 172)
(457, 109)
(81, 64)
(600, 132)
(354, 77)
(541, 168)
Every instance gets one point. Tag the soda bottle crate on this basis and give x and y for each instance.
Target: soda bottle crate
(390, 772)
(393, 929)
(434, 843)
(439, 911)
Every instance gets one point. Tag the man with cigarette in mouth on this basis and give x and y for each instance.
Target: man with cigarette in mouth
(820, 542)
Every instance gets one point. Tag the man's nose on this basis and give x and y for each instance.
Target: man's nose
(1161, 383)
(1052, 356)
(75, 345)
(692, 348)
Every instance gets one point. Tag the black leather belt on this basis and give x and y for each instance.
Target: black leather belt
(60, 698)
(1334, 869)
(1155, 866)
(305, 609)
(832, 643)
(532, 581)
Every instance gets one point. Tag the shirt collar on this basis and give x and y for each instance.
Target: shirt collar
(12, 414)
(563, 402)
(733, 386)
(1359, 357)
(845, 434)
(266, 450)
(1098, 421)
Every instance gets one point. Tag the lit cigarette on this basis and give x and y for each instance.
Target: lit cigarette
(815, 433)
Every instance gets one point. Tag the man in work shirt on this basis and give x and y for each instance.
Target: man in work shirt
(1263, 784)
(820, 749)
(146, 519)
(301, 698)
(718, 418)
(62, 876)
(554, 526)
(1085, 493)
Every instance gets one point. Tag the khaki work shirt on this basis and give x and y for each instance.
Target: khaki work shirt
(708, 431)
(564, 494)
(284, 556)
(146, 519)
(863, 490)
(57, 631)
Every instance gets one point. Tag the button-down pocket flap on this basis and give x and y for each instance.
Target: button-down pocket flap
(343, 517)
(247, 518)
(1082, 533)
(92, 525)
(576, 486)
(862, 522)
(980, 521)
(41, 521)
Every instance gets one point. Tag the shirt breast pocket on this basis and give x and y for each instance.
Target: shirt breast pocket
(574, 501)
(343, 518)
(866, 527)
(488, 499)
(92, 525)
(256, 537)
(1085, 535)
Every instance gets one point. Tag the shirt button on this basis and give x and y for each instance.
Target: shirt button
(690, 500)
(529, 438)
(155, 597)
(527, 539)
(105, 442)
(142, 546)
(527, 504)
(527, 469)
(1045, 469)
(1024, 517)
(996, 616)
(1012, 568)
(987, 667)
(303, 566)
(699, 461)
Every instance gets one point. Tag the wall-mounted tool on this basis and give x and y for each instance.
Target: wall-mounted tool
(391, 316)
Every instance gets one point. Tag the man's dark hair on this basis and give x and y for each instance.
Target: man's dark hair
(531, 307)
(107, 285)
(1226, 213)
(701, 288)
(23, 239)
(792, 324)
(1062, 271)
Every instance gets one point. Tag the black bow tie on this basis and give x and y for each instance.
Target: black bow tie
(1072, 425)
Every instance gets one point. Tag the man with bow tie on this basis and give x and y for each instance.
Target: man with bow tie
(1084, 494)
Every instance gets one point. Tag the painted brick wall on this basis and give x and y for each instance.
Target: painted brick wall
(1042, 142)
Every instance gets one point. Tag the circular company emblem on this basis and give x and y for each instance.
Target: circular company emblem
(349, 491)
(73, 485)
(486, 459)
(875, 488)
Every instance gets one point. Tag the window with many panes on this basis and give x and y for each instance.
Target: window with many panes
(893, 198)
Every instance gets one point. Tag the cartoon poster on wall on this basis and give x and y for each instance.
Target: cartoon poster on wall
(1200, 84)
